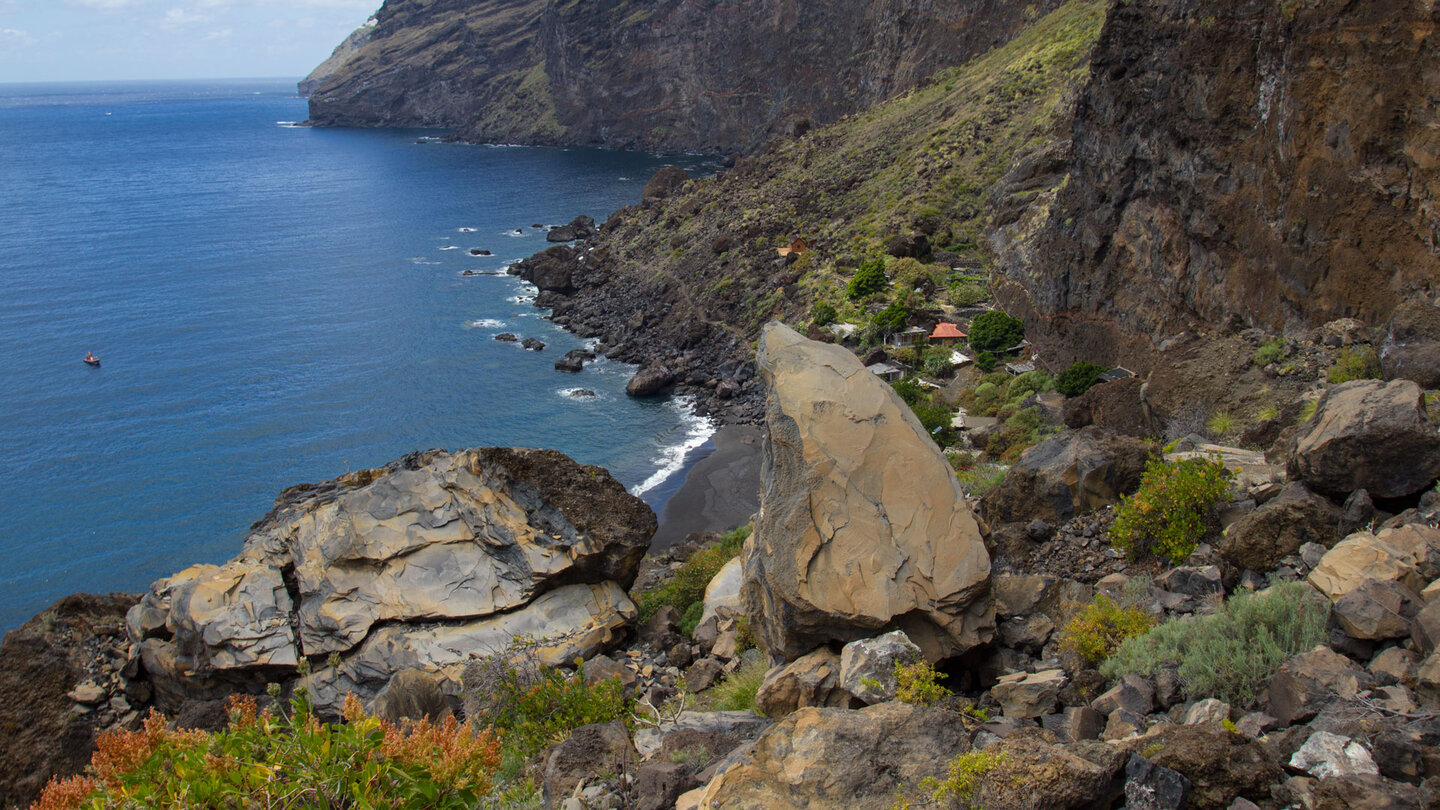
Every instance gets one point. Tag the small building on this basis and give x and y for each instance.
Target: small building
(887, 371)
(914, 336)
(1117, 373)
(797, 246)
(957, 359)
(947, 334)
(1017, 369)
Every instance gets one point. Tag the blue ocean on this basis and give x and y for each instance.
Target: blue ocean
(271, 304)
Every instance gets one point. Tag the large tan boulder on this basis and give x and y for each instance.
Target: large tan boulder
(1407, 555)
(862, 525)
(412, 566)
(834, 759)
(1369, 435)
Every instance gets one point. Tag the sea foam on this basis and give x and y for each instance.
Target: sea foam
(694, 431)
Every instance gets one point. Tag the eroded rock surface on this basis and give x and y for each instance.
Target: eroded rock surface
(1368, 435)
(862, 523)
(414, 565)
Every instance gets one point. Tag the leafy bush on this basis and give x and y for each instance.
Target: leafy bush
(1171, 511)
(985, 361)
(687, 587)
(892, 318)
(1097, 629)
(1078, 378)
(958, 787)
(995, 331)
(1023, 430)
(291, 760)
(1271, 351)
(1233, 653)
(968, 294)
(1356, 364)
(919, 684)
(1022, 386)
(736, 693)
(868, 280)
(937, 364)
(980, 478)
(823, 313)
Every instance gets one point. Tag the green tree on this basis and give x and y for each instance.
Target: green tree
(869, 279)
(1078, 378)
(985, 361)
(995, 331)
(892, 318)
(823, 313)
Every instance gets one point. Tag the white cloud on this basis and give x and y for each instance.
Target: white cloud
(105, 4)
(180, 18)
(14, 36)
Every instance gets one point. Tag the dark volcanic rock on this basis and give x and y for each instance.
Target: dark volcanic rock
(533, 344)
(634, 75)
(649, 381)
(1115, 406)
(574, 360)
(1068, 474)
(1412, 344)
(1368, 435)
(40, 662)
(664, 184)
(1280, 527)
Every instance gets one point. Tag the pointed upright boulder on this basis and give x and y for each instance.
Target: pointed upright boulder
(862, 525)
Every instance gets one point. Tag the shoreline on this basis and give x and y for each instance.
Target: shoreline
(720, 489)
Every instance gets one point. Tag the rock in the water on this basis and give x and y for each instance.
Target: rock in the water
(650, 381)
(414, 565)
(862, 523)
(1368, 435)
(867, 666)
(506, 337)
(533, 344)
(810, 680)
(1069, 474)
(574, 360)
(832, 759)
(1280, 527)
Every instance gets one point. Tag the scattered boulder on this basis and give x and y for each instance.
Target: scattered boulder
(1402, 555)
(716, 733)
(832, 759)
(1068, 474)
(1376, 611)
(862, 524)
(1279, 527)
(723, 592)
(581, 227)
(1151, 787)
(1425, 629)
(506, 337)
(659, 784)
(1325, 755)
(1411, 348)
(1209, 710)
(1368, 435)
(414, 565)
(867, 666)
(1133, 693)
(550, 271)
(1035, 773)
(1025, 694)
(589, 750)
(1310, 680)
(1074, 724)
(533, 344)
(810, 680)
(1117, 406)
(1220, 766)
(650, 381)
(703, 674)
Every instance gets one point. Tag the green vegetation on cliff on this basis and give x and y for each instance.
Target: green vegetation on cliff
(918, 173)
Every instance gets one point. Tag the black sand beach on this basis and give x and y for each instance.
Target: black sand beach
(721, 491)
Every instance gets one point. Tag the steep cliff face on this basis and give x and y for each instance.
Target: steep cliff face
(697, 75)
(340, 57)
(1240, 162)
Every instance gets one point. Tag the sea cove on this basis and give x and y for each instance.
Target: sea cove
(272, 304)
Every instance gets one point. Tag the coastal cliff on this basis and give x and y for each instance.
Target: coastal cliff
(696, 76)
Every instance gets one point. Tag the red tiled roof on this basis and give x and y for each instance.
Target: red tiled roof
(947, 330)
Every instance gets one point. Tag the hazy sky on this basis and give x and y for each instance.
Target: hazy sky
(70, 40)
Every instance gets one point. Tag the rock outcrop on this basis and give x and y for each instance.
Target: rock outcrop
(862, 524)
(1368, 435)
(1258, 164)
(1069, 474)
(416, 565)
(632, 75)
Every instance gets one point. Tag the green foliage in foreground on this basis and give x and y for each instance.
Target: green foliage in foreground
(291, 760)
(959, 786)
(1233, 653)
(1099, 628)
(1355, 364)
(1078, 378)
(685, 591)
(1171, 511)
(919, 683)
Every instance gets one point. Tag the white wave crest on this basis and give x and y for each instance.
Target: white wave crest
(487, 323)
(451, 247)
(695, 431)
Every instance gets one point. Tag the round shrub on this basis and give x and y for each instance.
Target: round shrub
(868, 280)
(995, 331)
(1171, 511)
(823, 313)
(1078, 378)
(985, 361)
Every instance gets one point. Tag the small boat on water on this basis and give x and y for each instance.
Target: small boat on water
(92, 360)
